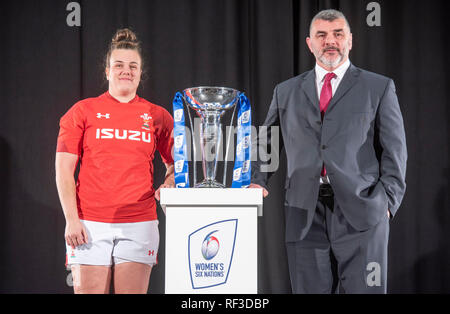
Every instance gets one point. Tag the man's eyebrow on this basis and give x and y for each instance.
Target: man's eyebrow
(338, 30)
(120, 61)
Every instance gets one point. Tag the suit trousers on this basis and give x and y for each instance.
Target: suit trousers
(335, 258)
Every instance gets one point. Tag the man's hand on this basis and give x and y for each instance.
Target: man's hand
(257, 186)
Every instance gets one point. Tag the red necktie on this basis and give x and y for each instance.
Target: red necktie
(325, 97)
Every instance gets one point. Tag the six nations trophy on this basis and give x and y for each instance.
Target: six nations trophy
(210, 104)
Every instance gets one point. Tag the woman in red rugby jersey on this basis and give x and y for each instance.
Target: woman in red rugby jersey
(111, 230)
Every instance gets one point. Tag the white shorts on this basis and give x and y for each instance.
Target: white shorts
(115, 243)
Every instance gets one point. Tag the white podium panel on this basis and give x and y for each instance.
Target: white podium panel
(211, 240)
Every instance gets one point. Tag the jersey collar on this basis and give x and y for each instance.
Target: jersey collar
(134, 100)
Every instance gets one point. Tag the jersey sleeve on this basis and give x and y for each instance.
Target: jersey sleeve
(165, 139)
(71, 131)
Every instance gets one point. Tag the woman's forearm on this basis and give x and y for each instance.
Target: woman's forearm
(170, 174)
(65, 183)
(67, 196)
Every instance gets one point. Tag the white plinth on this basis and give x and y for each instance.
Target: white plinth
(211, 240)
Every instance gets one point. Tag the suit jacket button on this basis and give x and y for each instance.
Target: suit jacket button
(324, 146)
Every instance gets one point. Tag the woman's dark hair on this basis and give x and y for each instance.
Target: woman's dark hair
(124, 39)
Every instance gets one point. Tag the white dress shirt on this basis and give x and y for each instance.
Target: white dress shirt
(320, 76)
(321, 72)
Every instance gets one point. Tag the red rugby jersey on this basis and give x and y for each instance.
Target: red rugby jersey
(116, 144)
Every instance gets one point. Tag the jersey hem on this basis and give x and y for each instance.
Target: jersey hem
(118, 220)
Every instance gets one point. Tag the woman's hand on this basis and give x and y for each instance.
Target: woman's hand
(169, 181)
(162, 186)
(75, 233)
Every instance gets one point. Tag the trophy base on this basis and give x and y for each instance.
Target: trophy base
(209, 184)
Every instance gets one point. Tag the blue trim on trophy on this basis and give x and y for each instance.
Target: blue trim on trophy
(180, 147)
(242, 163)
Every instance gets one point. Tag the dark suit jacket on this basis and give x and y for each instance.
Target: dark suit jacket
(361, 141)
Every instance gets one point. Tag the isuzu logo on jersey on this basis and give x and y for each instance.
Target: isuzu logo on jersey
(210, 253)
(123, 135)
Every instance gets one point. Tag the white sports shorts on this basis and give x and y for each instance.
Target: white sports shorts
(115, 243)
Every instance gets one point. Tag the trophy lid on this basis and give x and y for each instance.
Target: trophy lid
(211, 98)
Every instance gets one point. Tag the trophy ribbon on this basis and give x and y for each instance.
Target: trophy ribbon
(180, 147)
(242, 167)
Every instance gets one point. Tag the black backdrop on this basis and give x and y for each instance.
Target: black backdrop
(47, 65)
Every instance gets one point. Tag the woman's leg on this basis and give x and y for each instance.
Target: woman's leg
(91, 279)
(131, 277)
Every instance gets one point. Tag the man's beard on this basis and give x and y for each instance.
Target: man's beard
(332, 63)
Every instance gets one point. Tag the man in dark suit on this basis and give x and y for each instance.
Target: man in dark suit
(344, 138)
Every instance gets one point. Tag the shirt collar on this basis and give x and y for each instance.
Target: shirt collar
(340, 71)
(108, 95)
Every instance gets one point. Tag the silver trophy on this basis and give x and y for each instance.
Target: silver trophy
(210, 104)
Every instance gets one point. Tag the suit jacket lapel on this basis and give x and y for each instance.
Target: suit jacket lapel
(350, 78)
(310, 89)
